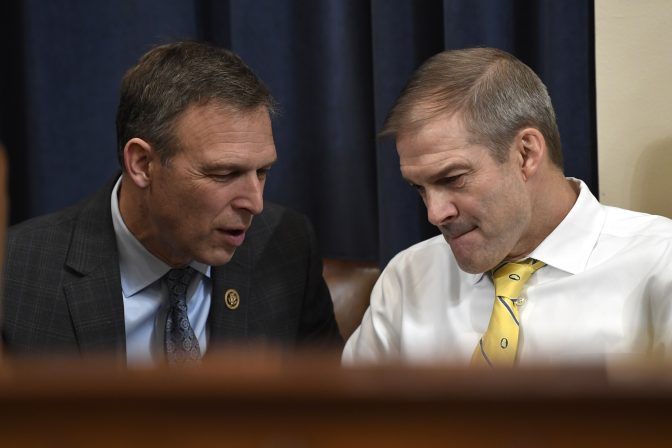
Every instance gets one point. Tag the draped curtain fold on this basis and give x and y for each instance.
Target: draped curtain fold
(335, 67)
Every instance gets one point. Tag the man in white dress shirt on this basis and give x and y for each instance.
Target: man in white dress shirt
(477, 138)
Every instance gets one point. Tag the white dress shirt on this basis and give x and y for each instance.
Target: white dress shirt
(605, 293)
(146, 297)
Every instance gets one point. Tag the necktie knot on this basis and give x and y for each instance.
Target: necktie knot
(509, 278)
(178, 281)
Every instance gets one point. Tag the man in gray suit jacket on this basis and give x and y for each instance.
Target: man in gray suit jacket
(195, 145)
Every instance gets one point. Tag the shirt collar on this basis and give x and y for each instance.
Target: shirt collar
(474, 278)
(569, 245)
(137, 266)
(581, 227)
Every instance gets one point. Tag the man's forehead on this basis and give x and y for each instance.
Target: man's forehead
(208, 123)
(431, 141)
(219, 111)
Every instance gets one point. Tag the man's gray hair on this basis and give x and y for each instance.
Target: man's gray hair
(495, 94)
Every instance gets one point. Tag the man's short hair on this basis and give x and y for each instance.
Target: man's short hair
(173, 77)
(495, 94)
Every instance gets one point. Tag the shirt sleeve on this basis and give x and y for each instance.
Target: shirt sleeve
(377, 339)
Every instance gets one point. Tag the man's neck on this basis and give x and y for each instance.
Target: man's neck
(552, 205)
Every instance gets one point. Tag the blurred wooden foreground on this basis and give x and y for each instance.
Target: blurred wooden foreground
(269, 399)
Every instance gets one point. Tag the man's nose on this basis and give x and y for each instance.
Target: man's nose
(441, 207)
(251, 194)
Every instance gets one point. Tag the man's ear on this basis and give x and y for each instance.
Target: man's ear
(138, 158)
(530, 146)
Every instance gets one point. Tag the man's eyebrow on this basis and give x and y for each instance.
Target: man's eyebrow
(448, 171)
(222, 167)
(407, 180)
(233, 166)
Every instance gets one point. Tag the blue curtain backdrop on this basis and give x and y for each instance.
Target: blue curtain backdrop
(335, 66)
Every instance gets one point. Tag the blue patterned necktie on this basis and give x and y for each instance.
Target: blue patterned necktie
(180, 342)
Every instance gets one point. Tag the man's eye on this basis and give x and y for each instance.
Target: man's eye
(262, 173)
(420, 189)
(454, 181)
(222, 177)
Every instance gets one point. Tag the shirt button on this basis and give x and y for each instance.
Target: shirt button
(520, 301)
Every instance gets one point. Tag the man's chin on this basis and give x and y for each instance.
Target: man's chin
(469, 252)
(473, 265)
(219, 258)
(469, 261)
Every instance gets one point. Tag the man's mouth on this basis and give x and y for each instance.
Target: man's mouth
(233, 236)
(456, 231)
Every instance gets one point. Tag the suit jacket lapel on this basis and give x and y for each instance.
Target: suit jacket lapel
(226, 324)
(93, 289)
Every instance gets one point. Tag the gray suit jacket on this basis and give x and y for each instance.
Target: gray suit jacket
(63, 288)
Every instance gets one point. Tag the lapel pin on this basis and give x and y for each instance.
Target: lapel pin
(232, 299)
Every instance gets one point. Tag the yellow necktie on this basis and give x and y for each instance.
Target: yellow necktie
(499, 344)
